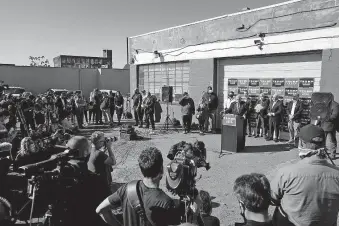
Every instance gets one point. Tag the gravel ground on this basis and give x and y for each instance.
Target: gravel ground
(259, 156)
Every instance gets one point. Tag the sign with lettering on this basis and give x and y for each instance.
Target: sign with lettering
(278, 82)
(229, 120)
(306, 82)
(278, 91)
(265, 90)
(253, 82)
(253, 90)
(291, 91)
(241, 90)
(287, 99)
(233, 89)
(243, 82)
(291, 83)
(265, 82)
(305, 92)
(232, 82)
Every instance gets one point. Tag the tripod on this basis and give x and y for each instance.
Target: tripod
(168, 120)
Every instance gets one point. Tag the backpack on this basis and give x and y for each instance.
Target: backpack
(134, 199)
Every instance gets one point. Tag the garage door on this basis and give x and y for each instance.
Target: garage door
(284, 75)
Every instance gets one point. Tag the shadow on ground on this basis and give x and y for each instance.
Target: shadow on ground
(268, 148)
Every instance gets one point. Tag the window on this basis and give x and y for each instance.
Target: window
(154, 76)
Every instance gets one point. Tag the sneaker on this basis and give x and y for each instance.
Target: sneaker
(201, 133)
(290, 142)
(185, 132)
(152, 132)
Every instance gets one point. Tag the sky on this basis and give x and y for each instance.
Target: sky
(86, 27)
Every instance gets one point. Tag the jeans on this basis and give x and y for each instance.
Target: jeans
(273, 131)
(150, 119)
(187, 122)
(138, 116)
(211, 115)
(202, 124)
(293, 129)
(247, 123)
(107, 115)
(80, 116)
(261, 123)
(331, 141)
(111, 112)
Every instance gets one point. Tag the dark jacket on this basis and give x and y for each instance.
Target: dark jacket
(235, 110)
(187, 106)
(297, 111)
(149, 103)
(265, 104)
(277, 109)
(157, 111)
(330, 124)
(212, 101)
(137, 99)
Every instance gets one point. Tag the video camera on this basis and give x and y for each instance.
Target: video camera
(182, 170)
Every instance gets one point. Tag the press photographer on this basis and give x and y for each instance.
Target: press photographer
(101, 158)
(156, 207)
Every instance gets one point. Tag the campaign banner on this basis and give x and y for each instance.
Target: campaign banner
(233, 89)
(278, 82)
(243, 82)
(265, 90)
(291, 91)
(291, 83)
(305, 92)
(253, 82)
(278, 91)
(306, 82)
(253, 90)
(265, 82)
(232, 82)
(306, 102)
(287, 99)
(242, 90)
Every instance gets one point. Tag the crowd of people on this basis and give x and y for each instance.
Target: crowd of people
(304, 193)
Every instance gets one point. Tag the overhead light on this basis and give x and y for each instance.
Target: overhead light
(262, 35)
(259, 43)
(242, 27)
(157, 54)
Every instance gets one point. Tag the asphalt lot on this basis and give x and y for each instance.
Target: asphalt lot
(259, 156)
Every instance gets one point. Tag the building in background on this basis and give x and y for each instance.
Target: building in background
(287, 48)
(70, 61)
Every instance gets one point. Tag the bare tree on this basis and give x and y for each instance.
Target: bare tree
(39, 61)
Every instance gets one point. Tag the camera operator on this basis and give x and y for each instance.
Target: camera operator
(27, 107)
(157, 207)
(99, 162)
(5, 134)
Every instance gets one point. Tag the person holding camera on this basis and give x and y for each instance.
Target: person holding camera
(157, 208)
(99, 162)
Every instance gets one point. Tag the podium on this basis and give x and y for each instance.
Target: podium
(232, 134)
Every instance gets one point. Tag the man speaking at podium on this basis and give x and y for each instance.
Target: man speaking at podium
(237, 108)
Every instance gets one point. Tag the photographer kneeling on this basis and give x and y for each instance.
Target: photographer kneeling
(157, 208)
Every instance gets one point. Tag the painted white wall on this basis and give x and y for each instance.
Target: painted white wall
(296, 42)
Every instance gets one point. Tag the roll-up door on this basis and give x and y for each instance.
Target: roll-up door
(281, 74)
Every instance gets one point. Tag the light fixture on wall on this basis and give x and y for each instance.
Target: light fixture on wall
(157, 54)
(241, 27)
(259, 43)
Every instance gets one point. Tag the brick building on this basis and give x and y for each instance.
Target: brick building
(284, 48)
(84, 61)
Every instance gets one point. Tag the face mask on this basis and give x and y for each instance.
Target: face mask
(210, 91)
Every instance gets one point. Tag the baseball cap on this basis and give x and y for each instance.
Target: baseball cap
(312, 134)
